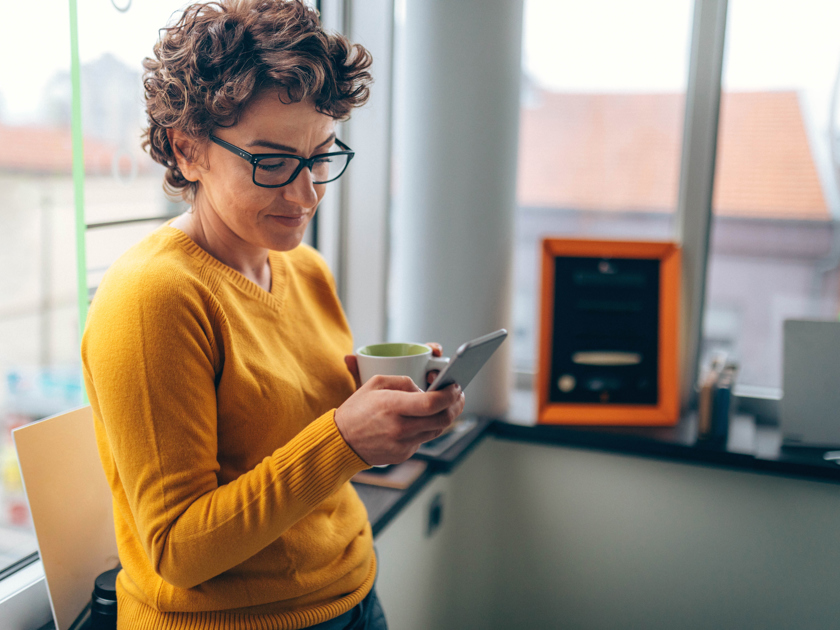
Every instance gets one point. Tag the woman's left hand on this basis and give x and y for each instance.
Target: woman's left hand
(437, 351)
(353, 365)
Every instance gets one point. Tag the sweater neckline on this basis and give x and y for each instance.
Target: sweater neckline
(277, 260)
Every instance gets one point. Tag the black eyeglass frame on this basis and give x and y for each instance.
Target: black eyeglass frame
(255, 158)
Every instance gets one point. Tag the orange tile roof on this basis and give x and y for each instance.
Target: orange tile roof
(621, 152)
(765, 166)
(48, 151)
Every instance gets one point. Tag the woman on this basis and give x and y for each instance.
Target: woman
(216, 352)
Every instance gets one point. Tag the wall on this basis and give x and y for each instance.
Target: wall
(447, 580)
(411, 582)
(545, 537)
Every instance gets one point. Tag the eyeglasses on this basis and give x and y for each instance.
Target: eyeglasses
(273, 170)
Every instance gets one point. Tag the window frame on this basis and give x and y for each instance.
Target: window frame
(352, 225)
(23, 595)
(697, 176)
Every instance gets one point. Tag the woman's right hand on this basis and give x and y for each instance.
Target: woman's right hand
(389, 417)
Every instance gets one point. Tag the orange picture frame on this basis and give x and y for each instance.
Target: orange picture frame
(666, 410)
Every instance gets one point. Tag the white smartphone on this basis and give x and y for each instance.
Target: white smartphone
(468, 360)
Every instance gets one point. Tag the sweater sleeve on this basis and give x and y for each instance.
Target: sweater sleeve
(150, 362)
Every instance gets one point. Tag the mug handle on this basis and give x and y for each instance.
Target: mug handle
(435, 363)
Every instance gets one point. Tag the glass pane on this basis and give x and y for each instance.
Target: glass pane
(122, 183)
(600, 131)
(775, 240)
(39, 330)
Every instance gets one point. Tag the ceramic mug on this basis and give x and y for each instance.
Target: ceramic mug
(398, 359)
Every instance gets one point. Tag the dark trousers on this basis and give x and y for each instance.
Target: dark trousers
(367, 615)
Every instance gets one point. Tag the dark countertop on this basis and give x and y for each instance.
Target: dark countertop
(750, 447)
(384, 504)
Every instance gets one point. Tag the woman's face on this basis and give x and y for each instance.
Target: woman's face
(271, 218)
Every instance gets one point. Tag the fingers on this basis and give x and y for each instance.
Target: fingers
(431, 403)
(437, 351)
(353, 365)
(423, 428)
(398, 383)
(417, 430)
(389, 417)
(428, 436)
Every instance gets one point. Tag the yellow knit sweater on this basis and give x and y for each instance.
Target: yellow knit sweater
(214, 406)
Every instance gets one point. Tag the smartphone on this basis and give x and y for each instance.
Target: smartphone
(468, 360)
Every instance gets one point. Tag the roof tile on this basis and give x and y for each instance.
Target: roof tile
(621, 152)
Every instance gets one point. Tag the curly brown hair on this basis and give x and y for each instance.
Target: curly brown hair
(218, 56)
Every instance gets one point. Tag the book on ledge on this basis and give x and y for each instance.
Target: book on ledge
(715, 399)
(399, 476)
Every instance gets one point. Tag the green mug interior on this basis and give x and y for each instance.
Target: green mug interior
(394, 350)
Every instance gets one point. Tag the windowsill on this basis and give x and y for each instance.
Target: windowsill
(23, 598)
(750, 446)
(20, 580)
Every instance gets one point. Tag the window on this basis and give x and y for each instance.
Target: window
(602, 117)
(775, 236)
(39, 316)
(39, 328)
(601, 124)
(124, 198)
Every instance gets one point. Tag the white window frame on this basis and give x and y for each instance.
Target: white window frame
(24, 603)
(697, 174)
(354, 218)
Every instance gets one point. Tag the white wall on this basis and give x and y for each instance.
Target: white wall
(411, 582)
(546, 537)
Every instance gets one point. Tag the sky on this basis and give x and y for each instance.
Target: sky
(129, 36)
(643, 46)
(580, 45)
